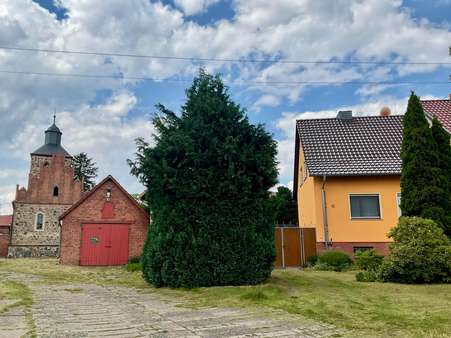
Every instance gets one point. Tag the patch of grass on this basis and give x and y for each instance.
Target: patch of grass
(133, 267)
(365, 309)
(18, 295)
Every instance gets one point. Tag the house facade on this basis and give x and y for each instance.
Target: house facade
(107, 226)
(5, 229)
(347, 180)
(51, 190)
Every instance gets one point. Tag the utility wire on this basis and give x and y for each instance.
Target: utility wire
(243, 60)
(237, 83)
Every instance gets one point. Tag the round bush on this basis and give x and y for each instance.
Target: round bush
(312, 260)
(366, 276)
(368, 260)
(421, 253)
(334, 260)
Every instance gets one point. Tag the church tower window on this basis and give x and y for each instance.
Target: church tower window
(39, 221)
(55, 191)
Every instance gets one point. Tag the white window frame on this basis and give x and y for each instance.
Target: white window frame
(398, 203)
(36, 221)
(365, 194)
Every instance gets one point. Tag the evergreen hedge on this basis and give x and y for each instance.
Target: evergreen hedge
(207, 179)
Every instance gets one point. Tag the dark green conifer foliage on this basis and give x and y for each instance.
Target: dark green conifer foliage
(422, 183)
(442, 141)
(207, 179)
(282, 203)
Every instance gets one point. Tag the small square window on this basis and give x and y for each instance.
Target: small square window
(365, 206)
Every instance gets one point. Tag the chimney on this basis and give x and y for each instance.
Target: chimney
(345, 115)
(385, 111)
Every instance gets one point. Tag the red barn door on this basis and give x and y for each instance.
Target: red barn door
(104, 244)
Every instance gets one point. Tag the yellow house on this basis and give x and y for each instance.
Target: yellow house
(347, 179)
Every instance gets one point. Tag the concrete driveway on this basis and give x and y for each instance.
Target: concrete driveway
(89, 310)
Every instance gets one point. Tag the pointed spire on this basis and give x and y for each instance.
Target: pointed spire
(54, 117)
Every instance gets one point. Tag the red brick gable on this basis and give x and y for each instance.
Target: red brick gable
(111, 179)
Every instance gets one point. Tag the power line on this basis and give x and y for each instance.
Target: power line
(237, 83)
(242, 60)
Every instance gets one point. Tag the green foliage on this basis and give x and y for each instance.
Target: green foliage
(312, 260)
(283, 206)
(133, 267)
(207, 180)
(366, 276)
(136, 259)
(333, 260)
(85, 167)
(368, 260)
(442, 141)
(424, 187)
(421, 253)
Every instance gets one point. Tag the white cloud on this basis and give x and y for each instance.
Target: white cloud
(378, 30)
(192, 7)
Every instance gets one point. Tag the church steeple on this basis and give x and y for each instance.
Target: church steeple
(52, 143)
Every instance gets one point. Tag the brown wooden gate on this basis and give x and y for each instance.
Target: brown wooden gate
(294, 246)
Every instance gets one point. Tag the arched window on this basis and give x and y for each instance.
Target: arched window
(39, 221)
(55, 191)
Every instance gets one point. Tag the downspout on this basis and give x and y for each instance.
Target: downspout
(325, 220)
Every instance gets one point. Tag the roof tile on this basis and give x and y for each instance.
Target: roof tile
(369, 145)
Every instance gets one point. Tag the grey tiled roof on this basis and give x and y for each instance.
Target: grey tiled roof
(367, 145)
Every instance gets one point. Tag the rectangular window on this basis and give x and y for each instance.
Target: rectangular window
(39, 222)
(398, 201)
(365, 206)
(361, 248)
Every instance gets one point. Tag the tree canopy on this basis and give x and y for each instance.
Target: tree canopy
(85, 168)
(207, 177)
(424, 181)
(284, 208)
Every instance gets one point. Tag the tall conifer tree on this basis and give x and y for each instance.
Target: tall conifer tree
(207, 180)
(442, 141)
(422, 183)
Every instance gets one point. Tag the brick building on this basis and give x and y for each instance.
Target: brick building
(107, 226)
(5, 226)
(51, 190)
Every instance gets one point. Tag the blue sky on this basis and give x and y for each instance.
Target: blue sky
(103, 116)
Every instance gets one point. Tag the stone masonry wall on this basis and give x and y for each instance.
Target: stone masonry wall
(24, 232)
(90, 211)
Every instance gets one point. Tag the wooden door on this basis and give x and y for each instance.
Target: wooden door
(104, 244)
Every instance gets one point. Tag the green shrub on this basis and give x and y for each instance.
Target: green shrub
(366, 276)
(421, 253)
(368, 260)
(134, 266)
(312, 260)
(333, 260)
(136, 259)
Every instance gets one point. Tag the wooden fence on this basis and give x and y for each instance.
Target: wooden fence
(294, 246)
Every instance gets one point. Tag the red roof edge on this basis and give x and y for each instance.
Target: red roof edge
(101, 183)
(6, 220)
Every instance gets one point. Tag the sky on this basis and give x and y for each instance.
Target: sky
(102, 116)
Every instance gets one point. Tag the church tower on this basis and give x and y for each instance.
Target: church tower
(51, 190)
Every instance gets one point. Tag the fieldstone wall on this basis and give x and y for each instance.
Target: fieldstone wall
(26, 241)
(33, 251)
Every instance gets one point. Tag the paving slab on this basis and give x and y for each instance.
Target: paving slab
(109, 311)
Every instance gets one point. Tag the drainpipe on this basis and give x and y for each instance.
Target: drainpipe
(325, 220)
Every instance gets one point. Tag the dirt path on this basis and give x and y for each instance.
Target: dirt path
(89, 310)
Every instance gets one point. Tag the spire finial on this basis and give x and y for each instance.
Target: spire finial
(54, 117)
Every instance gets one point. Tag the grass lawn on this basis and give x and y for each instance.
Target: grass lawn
(366, 309)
